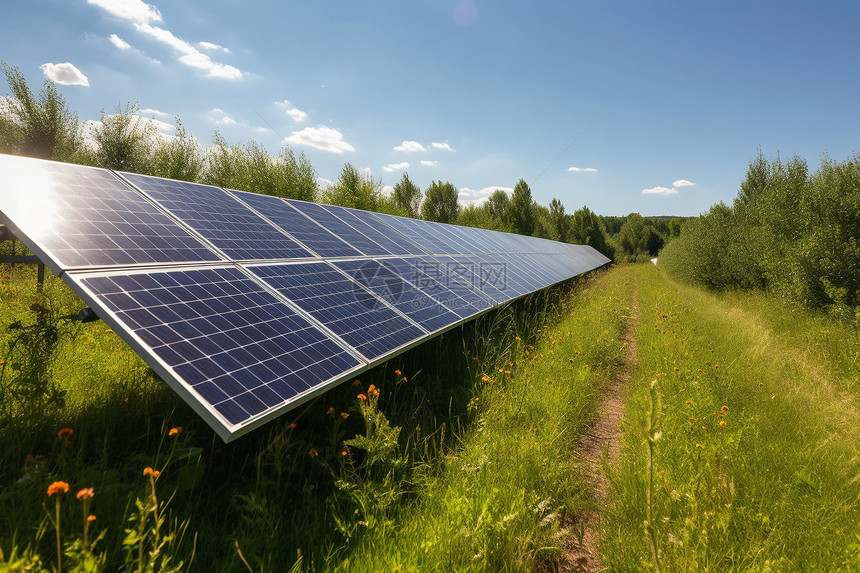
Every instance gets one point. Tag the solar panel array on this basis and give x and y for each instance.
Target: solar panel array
(249, 305)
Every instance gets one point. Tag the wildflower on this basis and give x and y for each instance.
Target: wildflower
(344, 415)
(688, 402)
(148, 471)
(107, 331)
(293, 426)
(313, 453)
(174, 431)
(356, 382)
(724, 408)
(405, 379)
(700, 446)
(361, 397)
(2, 363)
(65, 434)
(59, 487)
(473, 358)
(343, 453)
(700, 371)
(723, 424)
(716, 365)
(91, 518)
(570, 360)
(692, 419)
(517, 338)
(399, 373)
(85, 493)
(485, 378)
(375, 393)
(576, 352)
(330, 411)
(370, 389)
(675, 368)
(760, 384)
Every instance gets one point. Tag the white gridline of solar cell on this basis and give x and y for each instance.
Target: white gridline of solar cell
(417, 232)
(219, 218)
(466, 270)
(427, 275)
(281, 212)
(400, 294)
(343, 306)
(242, 351)
(74, 216)
(339, 228)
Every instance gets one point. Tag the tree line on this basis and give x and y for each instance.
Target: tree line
(42, 125)
(789, 232)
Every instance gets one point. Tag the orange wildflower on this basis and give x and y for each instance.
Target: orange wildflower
(65, 434)
(692, 419)
(723, 424)
(688, 402)
(356, 382)
(399, 373)
(91, 518)
(405, 379)
(58, 487)
(148, 471)
(724, 408)
(370, 389)
(361, 397)
(174, 431)
(313, 453)
(293, 426)
(344, 415)
(343, 453)
(330, 411)
(85, 493)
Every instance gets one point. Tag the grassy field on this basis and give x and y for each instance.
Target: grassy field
(455, 456)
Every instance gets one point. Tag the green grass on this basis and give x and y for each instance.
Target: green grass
(464, 459)
(775, 489)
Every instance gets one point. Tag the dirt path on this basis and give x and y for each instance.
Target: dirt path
(603, 440)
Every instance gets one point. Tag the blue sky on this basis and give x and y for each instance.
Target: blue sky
(651, 107)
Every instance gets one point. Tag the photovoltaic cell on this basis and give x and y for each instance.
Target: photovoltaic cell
(358, 317)
(240, 349)
(315, 237)
(326, 219)
(400, 294)
(393, 242)
(219, 218)
(76, 216)
(408, 246)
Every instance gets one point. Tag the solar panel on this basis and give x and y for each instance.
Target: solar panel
(309, 233)
(219, 218)
(248, 305)
(221, 338)
(400, 294)
(73, 216)
(344, 306)
(338, 227)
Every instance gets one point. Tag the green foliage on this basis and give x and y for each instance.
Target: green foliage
(521, 210)
(440, 203)
(790, 232)
(559, 223)
(40, 127)
(180, 157)
(586, 228)
(353, 189)
(407, 196)
(633, 239)
(125, 141)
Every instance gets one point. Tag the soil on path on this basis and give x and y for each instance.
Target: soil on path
(602, 441)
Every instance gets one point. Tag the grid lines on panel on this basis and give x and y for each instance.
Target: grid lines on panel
(374, 229)
(282, 213)
(342, 305)
(87, 217)
(221, 219)
(400, 294)
(240, 348)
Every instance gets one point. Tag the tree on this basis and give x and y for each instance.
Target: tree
(440, 203)
(586, 228)
(407, 196)
(179, 157)
(522, 214)
(125, 141)
(633, 238)
(559, 222)
(40, 127)
(352, 189)
(497, 209)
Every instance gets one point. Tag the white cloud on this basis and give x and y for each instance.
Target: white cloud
(220, 117)
(131, 10)
(660, 191)
(478, 197)
(387, 191)
(213, 47)
(367, 172)
(155, 112)
(64, 74)
(580, 170)
(323, 182)
(322, 137)
(191, 56)
(292, 111)
(428, 163)
(682, 183)
(444, 146)
(119, 42)
(410, 146)
(396, 166)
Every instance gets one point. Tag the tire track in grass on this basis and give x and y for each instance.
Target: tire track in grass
(600, 445)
